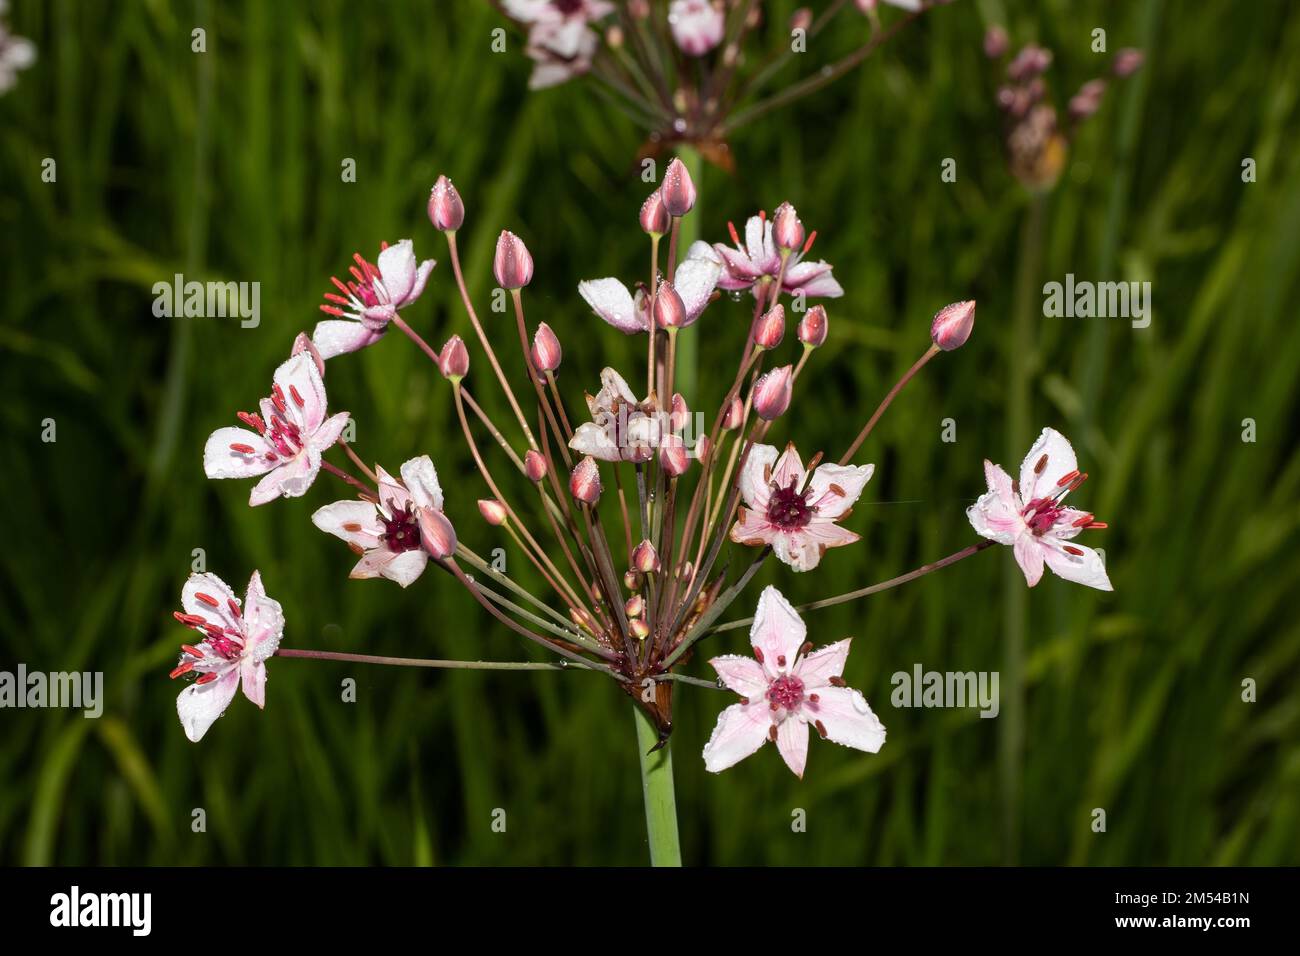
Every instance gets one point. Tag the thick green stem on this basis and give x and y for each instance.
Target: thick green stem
(657, 789)
(687, 368)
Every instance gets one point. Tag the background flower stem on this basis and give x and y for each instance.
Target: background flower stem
(657, 789)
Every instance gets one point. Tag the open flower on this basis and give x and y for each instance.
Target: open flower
(285, 442)
(794, 512)
(621, 429)
(395, 536)
(1031, 518)
(694, 280)
(697, 25)
(560, 40)
(16, 53)
(369, 301)
(236, 643)
(758, 256)
(785, 687)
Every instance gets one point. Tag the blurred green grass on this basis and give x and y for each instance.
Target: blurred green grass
(226, 166)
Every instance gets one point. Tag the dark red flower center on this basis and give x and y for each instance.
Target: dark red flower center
(786, 691)
(402, 530)
(788, 509)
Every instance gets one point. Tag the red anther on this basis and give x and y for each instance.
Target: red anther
(735, 236)
(806, 647)
(180, 669)
(758, 654)
(383, 244)
(1066, 479)
(352, 526)
(337, 299)
(762, 215)
(836, 682)
(808, 245)
(331, 310)
(780, 660)
(813, 698)
(278, 402)
(190, 620)
(1083, 522)
(253, 421)
(297, 398)
(207, 678)
(357, 274)
(214, 630)
(821, 728)
(771, 733)
(207, 599)
(1042, 463)
(744, 702)
(271, 456)
(1073, 550)
(234, 608)
(1096, 526)
(191, 650)
(340, 286)
(242, 448)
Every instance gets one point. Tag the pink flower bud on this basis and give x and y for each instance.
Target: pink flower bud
(655, 220)
(772, 393)
(303, 343)
(1088, 100)
(996, 43)
(584, 483)
(453, 360)
(677, 190)
(546, 349)
(632, 579)
(493, 511)
(702, 447)
(634, 606)
(513, 264)
(801, 19)
(1127, 62)
(1029, 62)
(672, 456)
(952, 325)
(735, 414)
(582, 619)
(670, 311)
(639, 629)
(446, 211)
(787, 230)
(770, 328)
(534, 465)
(680, 415)
(436, 533)
(813, 327)
(645, 559)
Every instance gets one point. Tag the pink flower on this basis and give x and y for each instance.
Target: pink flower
(794, 512)
(368, 302)
(697, 25)
(16, 53)
(1031, 518)
(621, 429)
(758, 256)
(560, 40)
(390, 536)
(233, 652)
(285, 442)
(694, 282)
(783, 689)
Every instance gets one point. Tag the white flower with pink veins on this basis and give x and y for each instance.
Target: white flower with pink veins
(785, 688)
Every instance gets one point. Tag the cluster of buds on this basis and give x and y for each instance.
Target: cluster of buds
(686, 70)
(1037, 143)
(683, 485)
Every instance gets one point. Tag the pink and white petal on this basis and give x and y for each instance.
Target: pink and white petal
(209, 585)
(847, 718)
(199, 705)
(788, 469)
(792, 743)
(1065, 528)
(1087, 568)
(753, 529)
(1029, 555)
(397, 270)
(421, 480)
(702, 250)
(355, 522)
(759, 246)
(755, 480)
(595, 440)
(802, 550)
(817, 668)
(405, 567)
(304, 391)
(738, 270)
(614, 386)
(253, 681)
(372, 563)
(1060, 461)
(741, 729)
(421, 280)
(339, 336)
(744, 675)
(813, 279)
(777, 632)
(835, 488)
(263, 621)
(290, 480)
(695, 281)
(222, 461)
(393, 495)
(610, 299)
(329, 431)
(996, 513)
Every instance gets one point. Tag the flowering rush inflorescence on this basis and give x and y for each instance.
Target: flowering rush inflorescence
(629, 507)
(692, 71)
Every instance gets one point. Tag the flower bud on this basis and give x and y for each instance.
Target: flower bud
(813, 327)
(735, 414)
(1029, 62)
(680, 415)
(645, 559)
(634, 606)
(436, 533)
(513, 264)
(584, 483)
(801, 19)
(1088, 100)
(952, 325)
(655, 220)
(639, 628)
(453, 360)
(446, 211)
(546, 349)
(672, 456)
(770, 328)
(632, 579)
(678, 190)
(787, 230)
(534, 465)
(493, 511)
(303, 343)
(996, 43)
(1127, 62)
(772, 393)
(670, 311)
(582, 619)
(702, 447)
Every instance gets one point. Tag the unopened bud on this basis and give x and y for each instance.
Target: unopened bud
(952, 325)
(645, 559)
(670, 311)
(584, 482)
(436, 533)
(996, 43)
(813, 327)
(634, 606)
(702, 447)
(772, 393)
(513, 264)
(1127, 62)
(770, 328)
(632, 579)
(453, 360)
(546, 349)
(493, 511)
(672, 456)
(801, 19)
(639, 629)
(678, 190)
(735, 414)
(787, 230)
(680, 415)
(1088, 100)
(655, 220)
(446, 211)
(534, 465)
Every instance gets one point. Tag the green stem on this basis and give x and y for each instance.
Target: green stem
(687, 369)
(657, 789)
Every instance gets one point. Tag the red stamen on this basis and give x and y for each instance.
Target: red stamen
(234, 608)
(331, 310)
(181, 669)
(189, 620)
(242, 448)
(207, 678)
(780, 660)
(821, 728)
(207, 599)
(297, 398)
(735, 236)
(192, 651)
(771, 733)
(1066, 479)
(758, 654)
(808, 245)
(1073, 550)
(1096, 525)
(1042, 463)
(1083, 522)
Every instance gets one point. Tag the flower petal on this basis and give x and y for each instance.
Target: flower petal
(817, 669)
(744, 675)
(209, 585)
(695, 281)
(595, 440)
(1029, 555)
(847, 718)
(263, 621)
(339, 336)
(792, 742)
(290, 479)
(355, 522)
(329, 431)
(304, 391)
(996, 513)
(421, 480)
(813, 279)
(397, 270)
(222, 461)
(253, 681)
(610, 299)
(788, 469)
(1057, 458)
(835, 488)
(405, 567)
(777, 632)
(1087, 568)
(753, 529)
(740, 731)
(755, 480)
(199, 705)
(802, 550)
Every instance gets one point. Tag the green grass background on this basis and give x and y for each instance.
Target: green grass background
(226, 166)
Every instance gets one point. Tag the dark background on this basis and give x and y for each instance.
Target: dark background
(226, 166)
